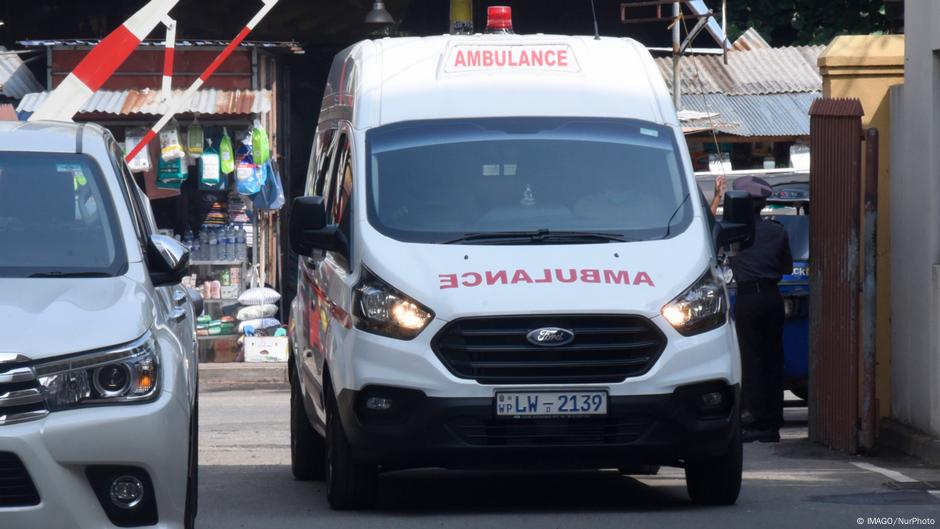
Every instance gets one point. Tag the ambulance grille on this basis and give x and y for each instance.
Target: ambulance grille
(16, 487)
(494, 350)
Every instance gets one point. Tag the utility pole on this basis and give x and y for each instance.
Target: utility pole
(676, 55)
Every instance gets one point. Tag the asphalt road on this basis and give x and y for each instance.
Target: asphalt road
(245, 482)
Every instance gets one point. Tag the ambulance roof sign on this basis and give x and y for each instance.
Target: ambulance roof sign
(511, 57)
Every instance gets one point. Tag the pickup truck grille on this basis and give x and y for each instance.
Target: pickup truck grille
(20, 398)
(16, 487)
(494, 350)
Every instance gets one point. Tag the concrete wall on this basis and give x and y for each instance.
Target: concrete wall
(915, 226)
(865, 67)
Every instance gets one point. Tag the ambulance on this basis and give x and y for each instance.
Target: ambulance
(505, 263)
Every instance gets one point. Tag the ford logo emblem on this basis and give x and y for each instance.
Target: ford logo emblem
(550, 337)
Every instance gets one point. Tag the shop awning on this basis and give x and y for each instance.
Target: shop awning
(147, 101)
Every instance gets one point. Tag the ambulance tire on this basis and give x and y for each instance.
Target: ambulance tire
(307, 448)
(350, 484)
(716, 481)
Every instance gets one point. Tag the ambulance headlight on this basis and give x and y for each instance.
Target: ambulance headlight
(700, 308)
(382, 309)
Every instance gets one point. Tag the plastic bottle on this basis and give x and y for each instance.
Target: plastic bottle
(230, 244)
(213, 247)
(241, 246)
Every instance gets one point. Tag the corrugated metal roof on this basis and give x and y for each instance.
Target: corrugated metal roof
(15, 78)
(125, 102)
(750, 40)
(752, 72)
(290, 45)
(752, 115)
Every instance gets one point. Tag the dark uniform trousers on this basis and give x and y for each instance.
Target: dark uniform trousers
(759, 317)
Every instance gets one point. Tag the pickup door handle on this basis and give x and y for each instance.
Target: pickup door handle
(180, 297)
(177, 315)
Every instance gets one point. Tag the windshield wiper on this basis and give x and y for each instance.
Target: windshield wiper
(674, 213)
(58, 273)
(537, 236)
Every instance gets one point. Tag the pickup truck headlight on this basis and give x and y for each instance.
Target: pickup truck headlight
(382, 309)
(698, 309)
(121, 375)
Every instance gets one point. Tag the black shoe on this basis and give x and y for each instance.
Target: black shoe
(749, 435)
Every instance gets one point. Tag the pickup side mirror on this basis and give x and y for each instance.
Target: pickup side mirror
(167, 260)
(738, 223)
(309, 230)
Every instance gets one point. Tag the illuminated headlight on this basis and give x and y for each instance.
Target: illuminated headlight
(700, 308)
(382, 309)
(125, 374)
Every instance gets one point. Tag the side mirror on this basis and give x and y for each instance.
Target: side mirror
(738, 223)
(167, 260)
(308, 228)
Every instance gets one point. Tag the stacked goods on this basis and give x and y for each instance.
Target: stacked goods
(206, 326)
(259, 306)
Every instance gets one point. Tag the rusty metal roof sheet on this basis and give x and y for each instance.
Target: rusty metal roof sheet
(15, 78)
(759, 71)
(127, 102)
(750, 40)
(775, 115)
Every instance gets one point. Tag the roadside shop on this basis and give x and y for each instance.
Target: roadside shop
(212, 178)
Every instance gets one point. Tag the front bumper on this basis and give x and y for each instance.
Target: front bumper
(58, 450)
(421, 431)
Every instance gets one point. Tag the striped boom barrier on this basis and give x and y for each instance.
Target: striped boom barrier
(177, 104)
(169, 47)
(101, 62)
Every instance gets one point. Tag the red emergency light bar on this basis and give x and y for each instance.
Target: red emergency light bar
(499, 19)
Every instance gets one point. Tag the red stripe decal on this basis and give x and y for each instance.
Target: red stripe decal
(140, 146)
(168, 62)
(225, 53)
(106, 57)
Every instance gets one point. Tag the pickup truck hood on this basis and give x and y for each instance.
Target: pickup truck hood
(47, 317)
(466, 280)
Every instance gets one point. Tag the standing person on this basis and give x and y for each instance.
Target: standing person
(759, 316)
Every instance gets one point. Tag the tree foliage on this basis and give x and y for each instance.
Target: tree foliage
(790, 22)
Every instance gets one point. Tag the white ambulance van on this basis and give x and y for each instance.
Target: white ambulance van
(505, 262)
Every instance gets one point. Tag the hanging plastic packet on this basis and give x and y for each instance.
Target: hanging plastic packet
(171, 174)
(170, 146)
(195, 139)
(248, 176)
(210, 174)
(141, 162)
(271, 195)
(260, 148)
(226, 154)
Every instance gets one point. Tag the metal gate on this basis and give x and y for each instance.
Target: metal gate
(835, 191)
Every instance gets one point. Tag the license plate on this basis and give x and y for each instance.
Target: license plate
(551, 403)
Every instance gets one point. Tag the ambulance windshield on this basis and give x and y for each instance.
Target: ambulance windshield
(439, 181)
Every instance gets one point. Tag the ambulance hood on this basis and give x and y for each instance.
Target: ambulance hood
(458, 280)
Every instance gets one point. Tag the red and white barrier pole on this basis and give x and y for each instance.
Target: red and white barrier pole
(101, 62)
(178, 104)
(169, 46)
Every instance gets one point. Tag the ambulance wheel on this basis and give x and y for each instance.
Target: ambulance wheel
(307, 459)
(350, 484)
(716, 481)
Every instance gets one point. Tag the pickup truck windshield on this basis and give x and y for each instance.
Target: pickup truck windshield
(526, 181)
(56, 218)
